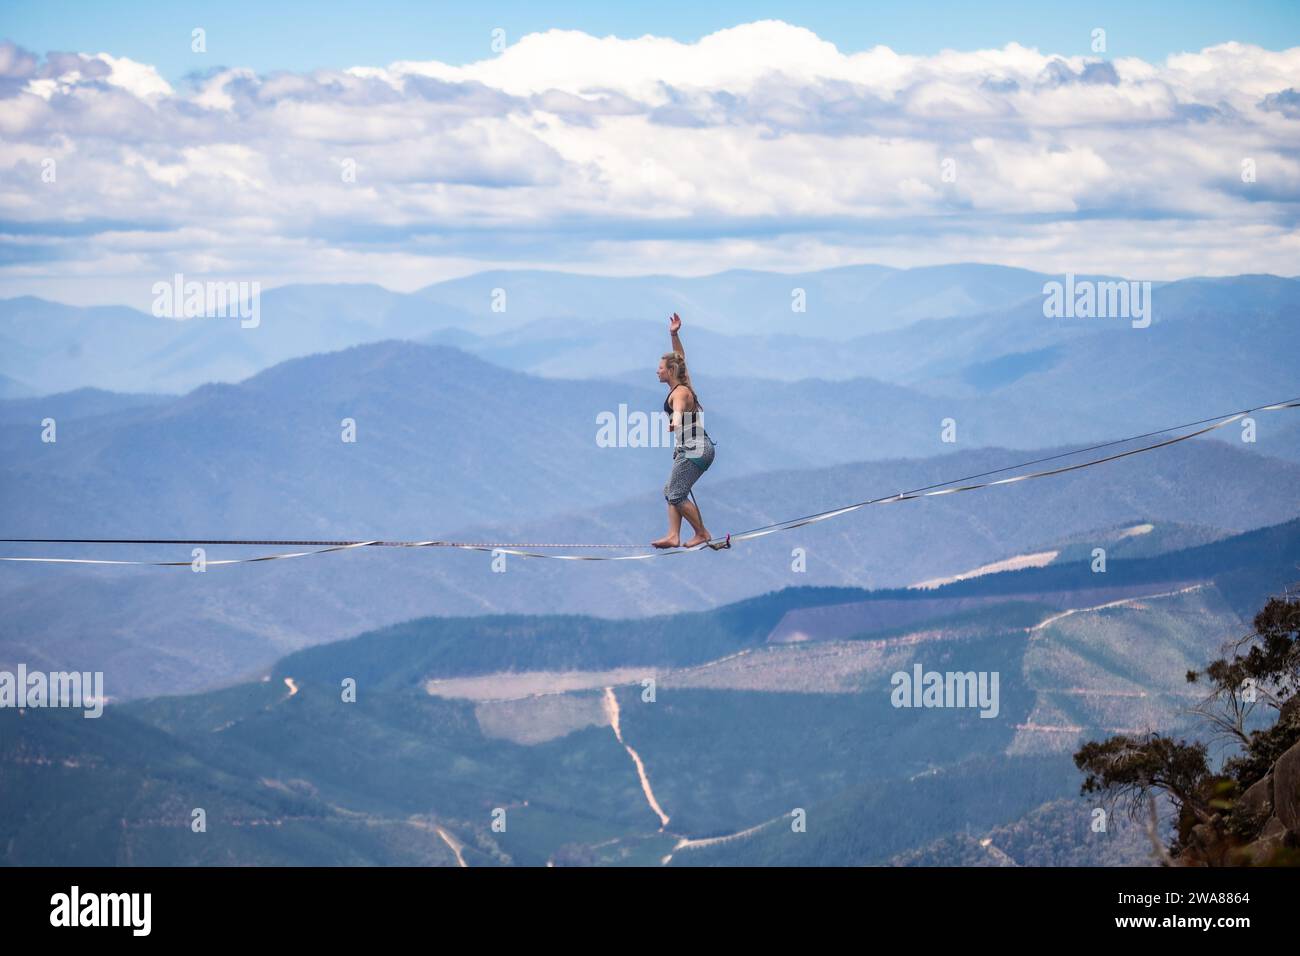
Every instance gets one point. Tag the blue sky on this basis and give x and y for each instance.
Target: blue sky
(299, 35)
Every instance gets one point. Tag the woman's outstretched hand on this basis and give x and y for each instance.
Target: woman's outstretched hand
(674, 323)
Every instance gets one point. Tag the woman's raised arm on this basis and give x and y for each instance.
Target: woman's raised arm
(674, 324)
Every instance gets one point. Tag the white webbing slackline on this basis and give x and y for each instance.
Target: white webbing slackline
(929, 491)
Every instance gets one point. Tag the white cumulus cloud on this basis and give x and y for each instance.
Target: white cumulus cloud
(755, 145)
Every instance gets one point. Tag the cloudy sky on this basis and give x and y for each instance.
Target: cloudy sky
(651, 145)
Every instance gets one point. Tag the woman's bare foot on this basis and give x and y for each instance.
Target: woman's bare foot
(700, 538)
(667, 541)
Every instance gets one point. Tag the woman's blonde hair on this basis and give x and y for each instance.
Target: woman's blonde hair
(676, 363)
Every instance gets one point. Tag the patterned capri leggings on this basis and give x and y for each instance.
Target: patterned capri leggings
(690, 460)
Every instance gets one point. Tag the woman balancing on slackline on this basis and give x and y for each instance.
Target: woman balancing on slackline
(693, 449)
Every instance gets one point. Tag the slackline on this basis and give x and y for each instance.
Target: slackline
(719, 543)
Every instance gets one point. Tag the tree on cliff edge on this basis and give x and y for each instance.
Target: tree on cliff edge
(1228, 816)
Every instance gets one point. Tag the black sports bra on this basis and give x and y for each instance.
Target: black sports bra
(667, 403)
(691, 419)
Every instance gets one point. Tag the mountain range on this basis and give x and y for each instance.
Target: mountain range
(689, 738)
(471, 411)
